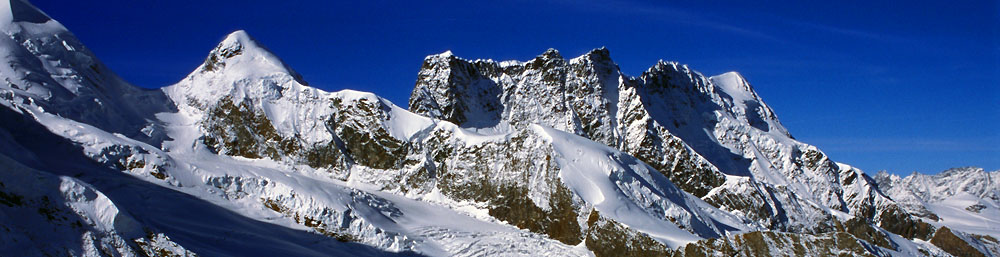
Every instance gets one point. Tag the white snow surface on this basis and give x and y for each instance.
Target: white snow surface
(382, 223)
(121, 169)
(615, 184)
(963, 199)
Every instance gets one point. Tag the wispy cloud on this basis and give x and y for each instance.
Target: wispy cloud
(668, 14)
(855, 33)
(871, 145)
(736, 26)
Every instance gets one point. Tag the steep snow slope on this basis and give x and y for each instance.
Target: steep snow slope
(47, 66)
(712, 136)
(286, 140)
(72, 216)
(256, 108)
(547, 157)
(209, 204)
(69, 128)
(965, 200)
(109, 211)
(586, 166)
(954, 187)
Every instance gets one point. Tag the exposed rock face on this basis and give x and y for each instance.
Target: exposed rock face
(711, 136)
(513, 174)
(955, 245)
(552, 156)
(912, 191)
(782, 244)
(954, 208)
(609, 238)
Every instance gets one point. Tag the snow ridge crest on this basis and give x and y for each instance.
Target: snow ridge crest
(241, 54)
(21, 11)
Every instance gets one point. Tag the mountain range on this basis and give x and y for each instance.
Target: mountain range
(549, 156)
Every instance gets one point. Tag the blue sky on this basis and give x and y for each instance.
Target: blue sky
(883, 85)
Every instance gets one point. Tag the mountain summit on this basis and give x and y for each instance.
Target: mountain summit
(240, 55)
(548, 156)
(21, 11)
(49, 70)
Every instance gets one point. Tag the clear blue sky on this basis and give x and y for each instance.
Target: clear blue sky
(896, 85)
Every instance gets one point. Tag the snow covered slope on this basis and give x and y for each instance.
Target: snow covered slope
(550, 157)
(245, 135)
(106, 186)
(48, 65)
(965, 200)
(250, 105)
(712, 136)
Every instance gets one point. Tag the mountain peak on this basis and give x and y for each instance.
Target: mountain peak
(557, 156)
(240, 67)
(733, 82)
(962, 172)
(732, 74)
(601, 52)
(21, 11)
(232, 46)
(444, 56)
(736, 87)
(599, 57)
(239, 53)
(238, 38)
(551, 53)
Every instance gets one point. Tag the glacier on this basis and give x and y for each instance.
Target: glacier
(549, 156)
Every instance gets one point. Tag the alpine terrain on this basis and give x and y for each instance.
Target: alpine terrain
(545, 157)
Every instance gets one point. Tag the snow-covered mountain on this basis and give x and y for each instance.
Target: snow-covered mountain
(549, 157)
(965, 200)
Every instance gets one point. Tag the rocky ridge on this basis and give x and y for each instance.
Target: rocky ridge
(548, 156)
(712, 136)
